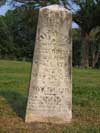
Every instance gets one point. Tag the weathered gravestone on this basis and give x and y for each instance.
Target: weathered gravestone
(50, 92)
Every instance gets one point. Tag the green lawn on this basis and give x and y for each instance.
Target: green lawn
(14, 82)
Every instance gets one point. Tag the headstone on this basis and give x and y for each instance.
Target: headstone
(50, 92)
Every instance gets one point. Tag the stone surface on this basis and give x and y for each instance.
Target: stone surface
(50, 92)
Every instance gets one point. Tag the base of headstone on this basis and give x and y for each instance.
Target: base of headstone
(55, 120)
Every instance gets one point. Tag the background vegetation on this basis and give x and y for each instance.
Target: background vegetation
(18, 30)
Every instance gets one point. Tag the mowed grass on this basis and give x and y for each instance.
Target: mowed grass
(14, 82)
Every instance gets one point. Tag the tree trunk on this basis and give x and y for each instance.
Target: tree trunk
(95, 58)
(85, 50)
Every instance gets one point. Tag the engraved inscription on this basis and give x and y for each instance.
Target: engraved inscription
(48, 98)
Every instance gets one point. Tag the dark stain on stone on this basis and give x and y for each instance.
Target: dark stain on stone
(69, 66)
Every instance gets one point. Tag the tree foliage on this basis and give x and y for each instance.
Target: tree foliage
(2, 2)
(18, 29)
(87, 17)
(17, 33)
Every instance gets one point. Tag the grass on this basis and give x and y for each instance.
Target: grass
(14, 82)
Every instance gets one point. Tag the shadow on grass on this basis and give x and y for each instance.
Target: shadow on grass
(16, 100)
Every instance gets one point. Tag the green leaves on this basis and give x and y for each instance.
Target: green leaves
(2, 2)
(88, 14)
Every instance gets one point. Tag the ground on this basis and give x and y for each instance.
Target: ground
(14, 82)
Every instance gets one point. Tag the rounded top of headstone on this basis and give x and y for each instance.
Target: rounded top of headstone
(56, 7)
